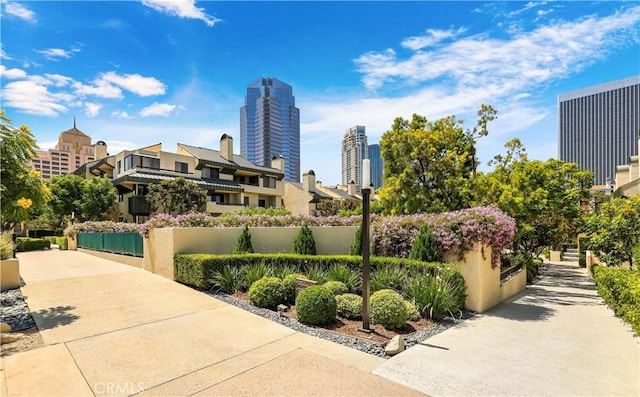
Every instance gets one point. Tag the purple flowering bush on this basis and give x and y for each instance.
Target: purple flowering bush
(392, 236)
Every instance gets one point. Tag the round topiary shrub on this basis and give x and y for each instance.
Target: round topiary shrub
(412, 311)
(349, 306)
(316, 305)
(267, 292)
(388, 309)
(289, 286)
(337, 287)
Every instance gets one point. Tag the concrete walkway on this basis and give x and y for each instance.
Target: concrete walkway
(555, 339)
(112, 329)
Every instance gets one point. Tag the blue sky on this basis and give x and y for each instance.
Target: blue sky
(137, 73)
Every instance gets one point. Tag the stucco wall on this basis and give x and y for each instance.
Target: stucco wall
(124, 259)
(9, 274)
(513, 286)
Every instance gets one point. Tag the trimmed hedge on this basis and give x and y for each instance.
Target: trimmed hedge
(32, 244)
(620, 289)
(62, 242)
(198, 269)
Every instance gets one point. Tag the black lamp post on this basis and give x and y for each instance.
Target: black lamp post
(366, 268)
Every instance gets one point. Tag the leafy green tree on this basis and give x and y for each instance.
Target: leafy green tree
(304, 244)
(176, 196)
(544, 197)
(243, 245)
(425, 247)
(22, 190)
(615, 231)
(429, 165)
(85, 200)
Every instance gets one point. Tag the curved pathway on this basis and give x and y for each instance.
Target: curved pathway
(555, 339)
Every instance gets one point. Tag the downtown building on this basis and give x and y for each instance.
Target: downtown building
(270, 126)
(598, 127)
(377, 165)
(73, 149)
(354, 150)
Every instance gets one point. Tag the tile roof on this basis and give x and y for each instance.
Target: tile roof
(210, 156)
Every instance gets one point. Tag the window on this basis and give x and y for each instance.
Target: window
(217, 198)
(262, 203)
(118, 167)
(269, 181)
(210, 173)
(246, 201)
(182, 167)
(142, 190)
(253, 180)
(135, 161)
(239, 178)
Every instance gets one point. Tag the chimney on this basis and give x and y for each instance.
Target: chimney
(226, 147)
(277, 162)
(319, 185)
(351, 189)
(309, 181)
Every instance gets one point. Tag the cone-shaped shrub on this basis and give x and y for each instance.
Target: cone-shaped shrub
(425, 247)
(243, 245)
(356, 247)
(304, 244)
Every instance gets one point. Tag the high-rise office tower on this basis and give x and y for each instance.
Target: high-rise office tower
(354, 150)
(598, 126)
(270, 125)
(377, 165)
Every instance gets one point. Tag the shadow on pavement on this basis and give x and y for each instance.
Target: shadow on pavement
(521, 312)
(54, 317)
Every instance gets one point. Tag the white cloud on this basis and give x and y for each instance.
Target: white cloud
(34, 97)
(526, 7)
(140, 85)
(182, 9)
(58, 80)
(20, 11)
(523, 60)
(12, 73)
(121, 114)
(431, 38)
(157, 109)
(92, 109)
(115, 146)
(55, 54)
(100, 89)
(4, 55)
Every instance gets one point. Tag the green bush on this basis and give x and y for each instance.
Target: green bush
(316, 305)
(267, 292)
(356, 248)
(636, 256)
(199, 269)
(388, 277)
(337, 287)
(243, 245)
(63, 243)
(32, 244)
(620, 289)
(304, 244)
(349, 306)
(437, 296)
(425, 247)
(255, 272)
(289, 286)
(388, 309)
(6, 245)
(583, 240)
(230, 279)
(350, 277)
(412, 311)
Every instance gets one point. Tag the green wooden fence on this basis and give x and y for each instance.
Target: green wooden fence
(116, 243)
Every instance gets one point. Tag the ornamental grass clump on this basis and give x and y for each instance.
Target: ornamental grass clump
(388, 277)
(243, 245)
(388, 309)
(316, 305)
(349, 306)
(337, 287)
(267, 292)
(230, 279)
(350, 277)
(435, 297)
(255, 272)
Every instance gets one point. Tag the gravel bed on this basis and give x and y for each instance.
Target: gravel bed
(355, 343)
(14, 310)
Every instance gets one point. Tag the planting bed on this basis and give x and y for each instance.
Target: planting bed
(345, 331)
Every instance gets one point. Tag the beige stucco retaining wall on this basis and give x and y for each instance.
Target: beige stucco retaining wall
(483, 287)
(163, 243)
(124, 259)
(9, 274)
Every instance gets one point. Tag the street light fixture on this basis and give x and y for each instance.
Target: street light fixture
(366, 269)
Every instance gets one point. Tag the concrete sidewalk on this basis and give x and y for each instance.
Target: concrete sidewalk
(555, 339)
(111, 329)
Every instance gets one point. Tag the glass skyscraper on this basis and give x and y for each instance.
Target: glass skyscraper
(270, 125)
(598, 126)
(354, 150)
(377, 165)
